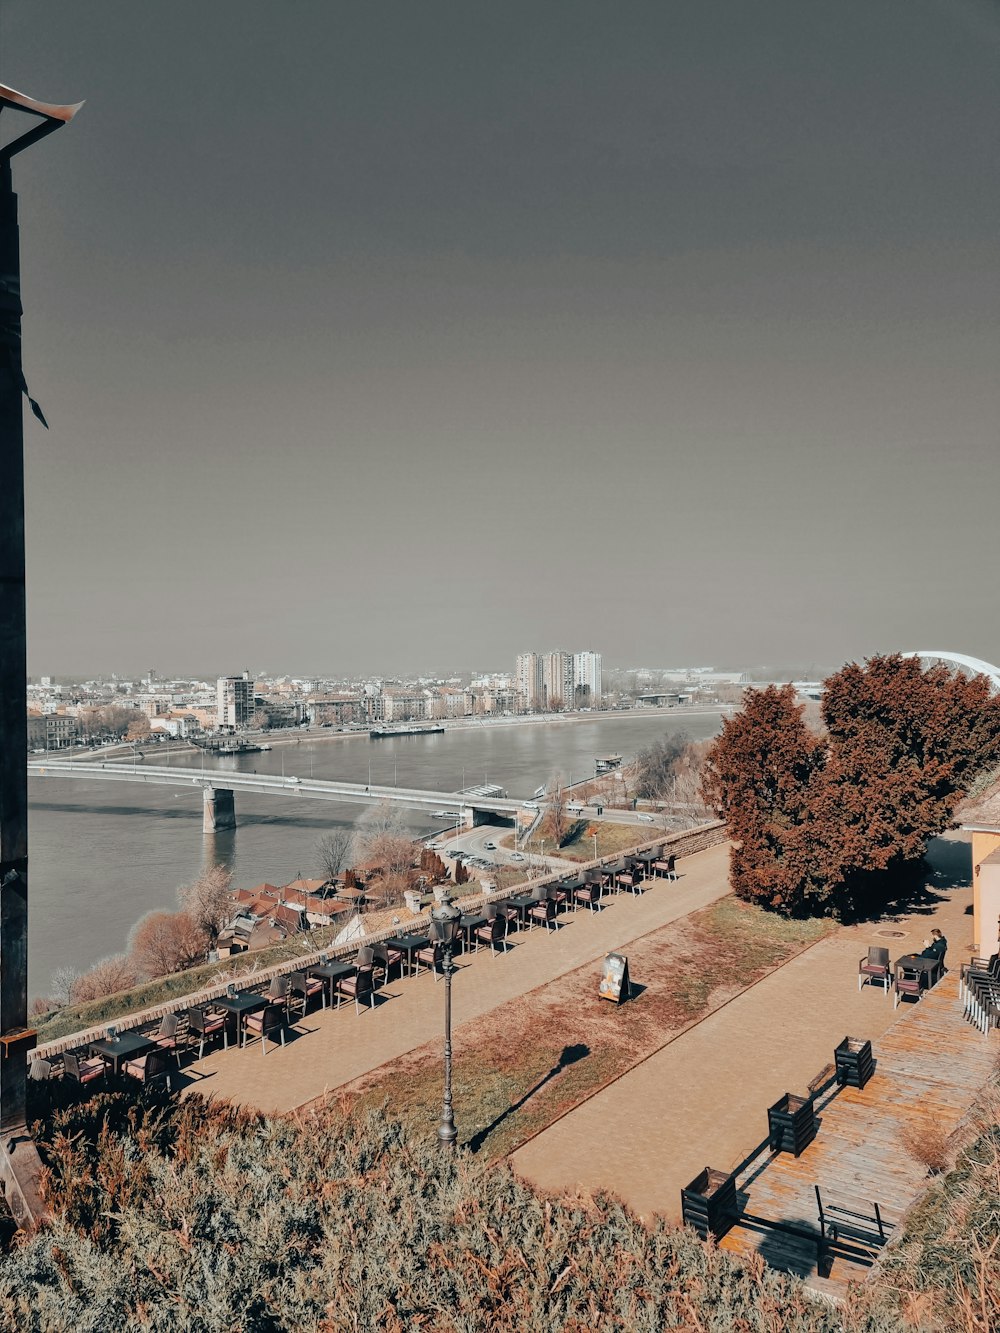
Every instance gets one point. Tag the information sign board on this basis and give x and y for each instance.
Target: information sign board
(614, 978)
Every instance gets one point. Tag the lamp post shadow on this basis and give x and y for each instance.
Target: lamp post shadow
(570, 1056)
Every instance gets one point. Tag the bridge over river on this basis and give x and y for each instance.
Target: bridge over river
(474, 806)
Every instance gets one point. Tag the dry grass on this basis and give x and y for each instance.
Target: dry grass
(528, 1062)
(926, 1143)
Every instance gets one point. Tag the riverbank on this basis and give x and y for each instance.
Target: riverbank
(103, 854)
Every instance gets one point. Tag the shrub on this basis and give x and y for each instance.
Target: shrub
(343, 1222)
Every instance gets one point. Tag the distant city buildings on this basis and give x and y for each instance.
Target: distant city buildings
(155, 707)
(557, 680)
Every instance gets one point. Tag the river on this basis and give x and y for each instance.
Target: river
(102, 855)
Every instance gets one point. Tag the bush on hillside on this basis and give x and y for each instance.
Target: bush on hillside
(193, 1216)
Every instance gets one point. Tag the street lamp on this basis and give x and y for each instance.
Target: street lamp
(444, 928)
(19, 1163)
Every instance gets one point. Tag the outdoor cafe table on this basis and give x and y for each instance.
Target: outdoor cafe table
(126, 1046)
(408, 944)
(469, 923)
(239, 1005)
(930, 969)
(329, 973)
(521, 902)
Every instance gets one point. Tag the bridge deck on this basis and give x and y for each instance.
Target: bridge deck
(929, 1066)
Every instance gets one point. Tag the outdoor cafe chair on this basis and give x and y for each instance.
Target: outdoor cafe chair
(543, 912)
(588, 894)
(875, 967)
(982, 1001)
(630, 879)
(558, 894)
(907, 983)
(166, 1036)
(360, 986)
(430, 955)
(83, 1070)
(305, 988)
(386, 958)
(493, 933)
(39, 1070)
(149, 1067)
(263, 1024)
(203, 1026)
(985, 968)
(664, 867)
(277, 992)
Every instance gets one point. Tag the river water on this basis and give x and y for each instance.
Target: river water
(104, 854)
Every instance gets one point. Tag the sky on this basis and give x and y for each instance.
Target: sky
(393, 337)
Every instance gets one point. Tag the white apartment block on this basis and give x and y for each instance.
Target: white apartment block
(588, 671)
(234, 702)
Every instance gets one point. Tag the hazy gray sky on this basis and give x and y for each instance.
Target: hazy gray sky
(408, 335)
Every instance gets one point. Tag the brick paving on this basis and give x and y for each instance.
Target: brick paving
(329, 1049)
(702, 1100)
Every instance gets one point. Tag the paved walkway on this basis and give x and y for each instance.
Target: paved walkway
(331, 1048)
(702, 1100)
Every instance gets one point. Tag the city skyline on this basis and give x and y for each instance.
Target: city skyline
(672, 329)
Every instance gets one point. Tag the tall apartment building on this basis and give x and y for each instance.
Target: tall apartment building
(528, 679)
(588, 670)
(234, 702)
(557, 680)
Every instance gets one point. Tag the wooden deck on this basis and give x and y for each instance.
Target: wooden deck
(929, 1067)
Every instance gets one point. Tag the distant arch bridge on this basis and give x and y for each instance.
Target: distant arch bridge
(974, 664)
(218, 788)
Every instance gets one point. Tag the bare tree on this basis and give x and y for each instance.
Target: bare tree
(261, 720)
(557, 817)
(392, 853)
(63, 981)
(164, 942)
(333, 851)
(107, 977)
(378, 820)
(209, 901)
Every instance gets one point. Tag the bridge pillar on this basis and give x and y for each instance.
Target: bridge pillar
(474, 817)
(219, 809)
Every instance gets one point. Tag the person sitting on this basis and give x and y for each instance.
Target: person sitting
(935, 947)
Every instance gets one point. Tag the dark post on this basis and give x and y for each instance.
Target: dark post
(445, 921)
(13, 671)
(19, 1164)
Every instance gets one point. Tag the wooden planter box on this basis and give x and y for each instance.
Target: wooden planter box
(709, 1203)
(791, 1124)
(855, 1062)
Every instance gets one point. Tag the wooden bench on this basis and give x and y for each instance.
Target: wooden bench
(850, 1220)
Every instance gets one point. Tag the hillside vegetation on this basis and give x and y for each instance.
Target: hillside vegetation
(192, 1216)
